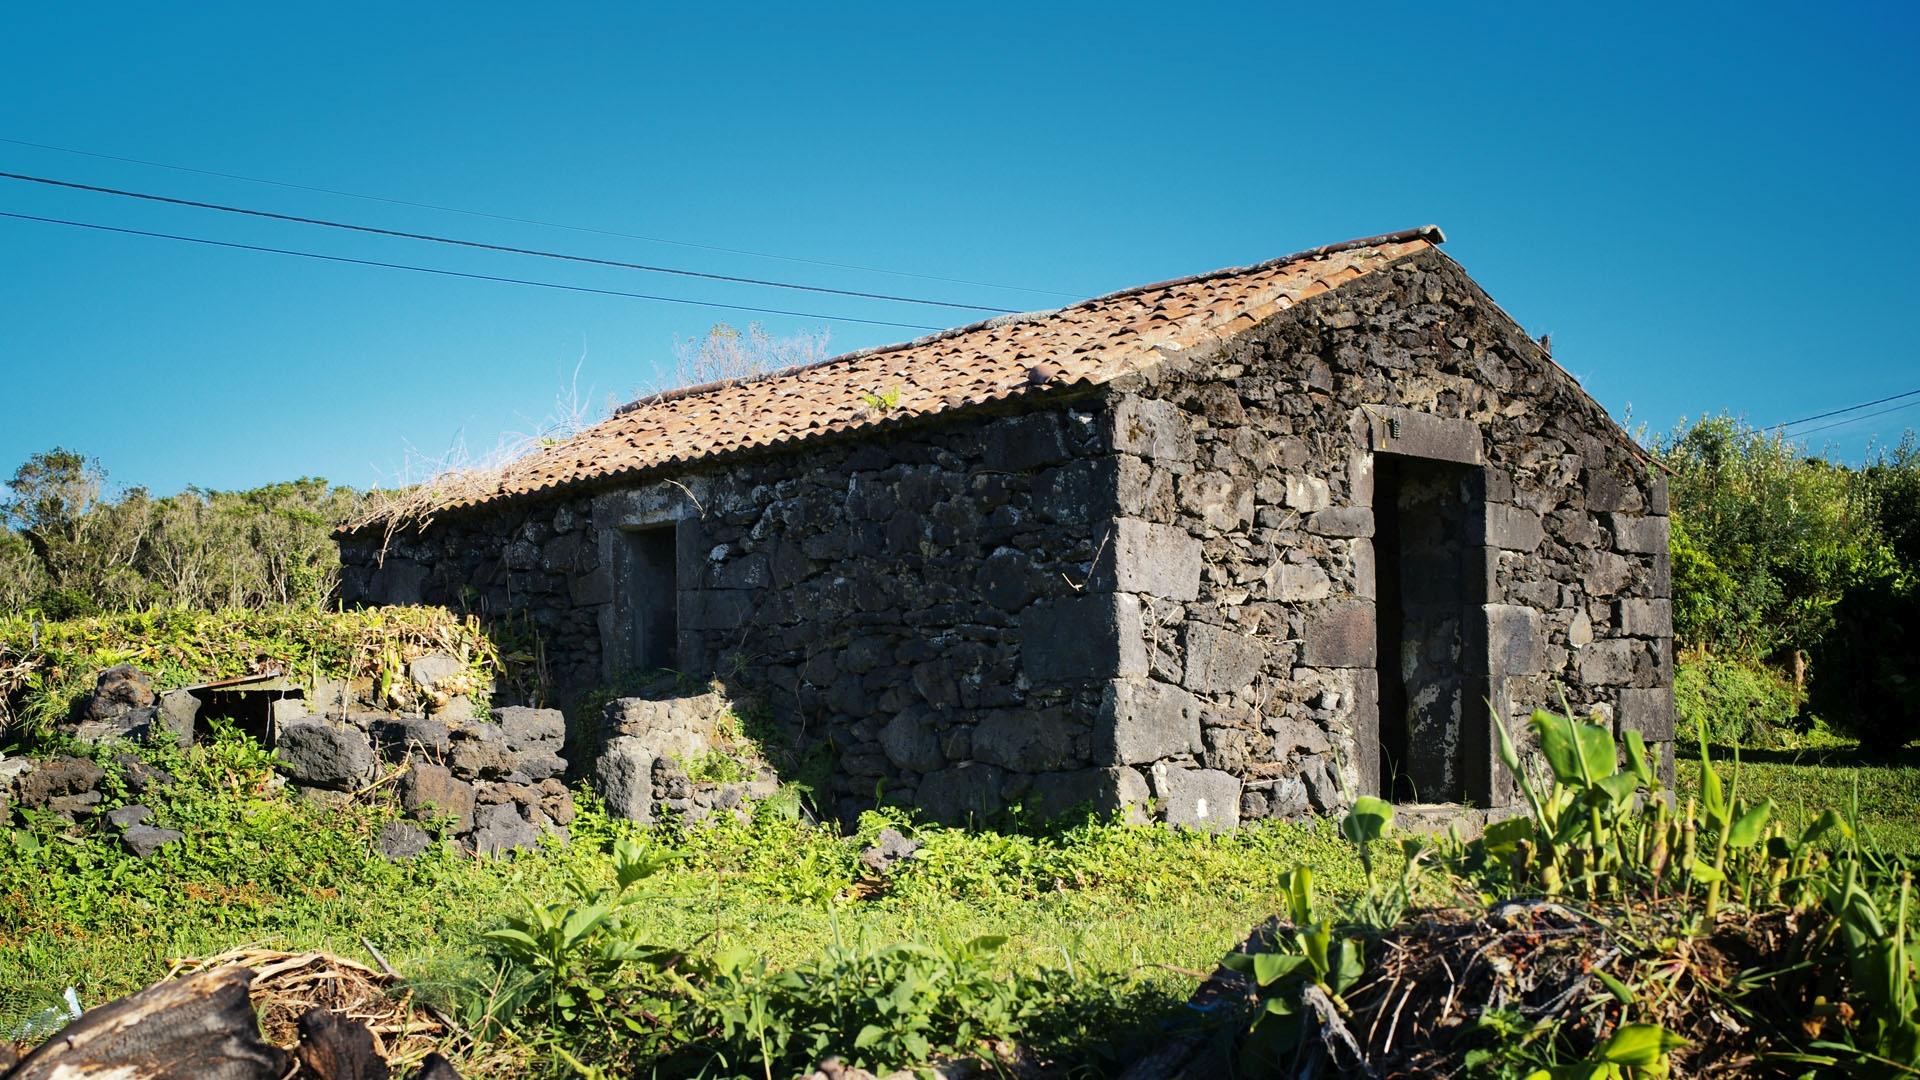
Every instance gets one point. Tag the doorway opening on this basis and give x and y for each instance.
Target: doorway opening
(1429, 590)
(649, 582)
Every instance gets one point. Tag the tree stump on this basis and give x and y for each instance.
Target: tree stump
(198, 1028)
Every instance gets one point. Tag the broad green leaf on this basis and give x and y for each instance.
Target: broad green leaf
(512, 937)
(870, 1034)
(1703, 872)
(1637, 757)
(1502, 837)
(1619, 787)
(1640, 1045)
(1299, 884)
(1269, 968)
(1315, 942)
(1747, 831)
(1598, 755)
(1368, 821)
(1557, 746)
(1348, 964)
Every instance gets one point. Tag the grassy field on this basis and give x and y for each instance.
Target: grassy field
(1803, 783)
(1145, 907)
(1133, 912)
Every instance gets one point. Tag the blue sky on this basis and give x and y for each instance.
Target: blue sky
(1706, 209)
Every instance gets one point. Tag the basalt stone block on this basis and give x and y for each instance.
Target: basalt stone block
(1142, 721)
(1220, 661)
(1221, 501)
(1395, 430)
(1638, 535)
(911, 740)
(118, 691)
(1341, 521)
(411, 734)
(1516, 642)
(319, 754)
(526, 728)
(141, 841)
(1648, 711)
(1158, 560)
(1088, 636)
(1513, 528)
(623, 777)
(1006, 580)
(1607, 573)
(179, 709)
(1291, 582)
(1151, 428)
(427, 791)
(964, 793)
(401, 840)
(126, 817)
(1025, 442)
(1608, 491)
(1644, 618)
(1306, 494)
(1341, 636)
(1023, 740)
(1607, 663)
(1113, 792)
(500, 830)
(1206, 799)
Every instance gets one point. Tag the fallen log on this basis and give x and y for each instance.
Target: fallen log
(198, 1028)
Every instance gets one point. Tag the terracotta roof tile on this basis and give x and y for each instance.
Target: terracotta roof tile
(1084, 345)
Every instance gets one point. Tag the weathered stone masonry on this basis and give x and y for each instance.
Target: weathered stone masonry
(1166, 586)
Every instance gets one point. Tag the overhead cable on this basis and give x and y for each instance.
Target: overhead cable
(535, 221)
(461, 273)
(1837, 412)
(645, 267)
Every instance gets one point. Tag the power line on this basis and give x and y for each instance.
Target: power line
(1837, 412)
(542, 224)
(462, 274)
(646, 267)
(1856, 419)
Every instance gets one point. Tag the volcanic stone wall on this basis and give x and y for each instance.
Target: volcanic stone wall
(919, 598)
(1262, 455)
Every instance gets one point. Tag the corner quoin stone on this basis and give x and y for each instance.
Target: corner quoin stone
(1090, 636)
(1206, 799)
(1144, 721)
(1158, 560)
(1152, 428)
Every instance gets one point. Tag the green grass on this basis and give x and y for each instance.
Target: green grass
(260, 868)
(1803, 783)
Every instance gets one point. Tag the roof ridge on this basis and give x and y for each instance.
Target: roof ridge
(1430, 233)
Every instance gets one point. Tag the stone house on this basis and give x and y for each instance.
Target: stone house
(1240, 545)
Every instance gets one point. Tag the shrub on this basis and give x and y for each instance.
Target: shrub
(1737, 702)
(1865, 677)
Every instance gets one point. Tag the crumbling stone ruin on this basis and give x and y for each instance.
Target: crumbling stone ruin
(495, 780)
(1238, 546)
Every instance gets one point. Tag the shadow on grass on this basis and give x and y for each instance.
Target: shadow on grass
(1846, 756)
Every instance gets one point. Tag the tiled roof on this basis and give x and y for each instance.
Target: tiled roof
(1087, 344)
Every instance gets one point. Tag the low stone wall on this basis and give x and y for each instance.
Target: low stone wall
(497, 782)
